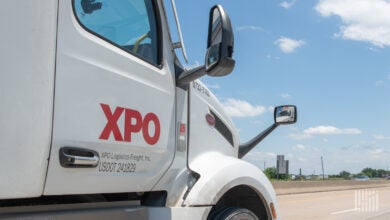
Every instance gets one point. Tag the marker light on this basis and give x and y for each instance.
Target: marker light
(273, 211)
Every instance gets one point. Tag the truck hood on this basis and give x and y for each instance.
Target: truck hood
(222, 136)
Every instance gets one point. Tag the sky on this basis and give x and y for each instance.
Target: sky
(330, 58)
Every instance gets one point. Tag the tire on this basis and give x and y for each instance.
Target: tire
(231, 213)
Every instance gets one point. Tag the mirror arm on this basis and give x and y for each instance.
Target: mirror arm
(248, 146)
(191, 75)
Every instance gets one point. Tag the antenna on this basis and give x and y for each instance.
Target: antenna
(181, 43)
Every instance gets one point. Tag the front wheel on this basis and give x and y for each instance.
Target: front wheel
(232, 213)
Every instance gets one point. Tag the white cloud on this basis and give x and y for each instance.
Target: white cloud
(273, 57)
(287, 4)
(382, 82)
(377, 151)
(286, 96)
(299, 147)
(323, 130)
(379, 83)
(373, 49)
(300, 136)
(363, 20)
(381, 137)
(271, 154)
(302, 159)
(330, 130)
(250, 27)
(241, 108)
(271, 109)
(288, 45)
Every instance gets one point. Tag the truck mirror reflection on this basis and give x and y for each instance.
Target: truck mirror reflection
(285, 114)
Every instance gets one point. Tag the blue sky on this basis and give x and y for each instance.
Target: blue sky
(330, 58)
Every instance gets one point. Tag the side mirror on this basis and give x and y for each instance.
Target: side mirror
(285, 114)
(220, 43)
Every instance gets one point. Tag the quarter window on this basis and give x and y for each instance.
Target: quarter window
(128, 24)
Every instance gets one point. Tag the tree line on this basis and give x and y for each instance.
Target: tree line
(370, 172)
(271, 173)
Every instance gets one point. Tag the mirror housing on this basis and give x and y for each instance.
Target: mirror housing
(220, 42)
(285, 114)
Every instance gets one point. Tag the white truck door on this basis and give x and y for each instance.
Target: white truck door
(114, 108)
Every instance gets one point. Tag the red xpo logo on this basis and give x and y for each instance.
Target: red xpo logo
(134, 123)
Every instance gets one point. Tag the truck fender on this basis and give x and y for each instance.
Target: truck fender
(220, 173)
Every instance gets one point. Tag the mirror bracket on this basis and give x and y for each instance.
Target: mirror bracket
(279, 112)
(190, 75)
(248, 146)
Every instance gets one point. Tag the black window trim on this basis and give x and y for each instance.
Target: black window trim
(160, 45)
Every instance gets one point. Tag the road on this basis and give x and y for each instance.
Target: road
(371, 203)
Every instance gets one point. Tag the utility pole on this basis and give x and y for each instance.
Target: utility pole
(322, 164)
(300, 174)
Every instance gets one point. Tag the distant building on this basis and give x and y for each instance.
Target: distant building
(282, 165)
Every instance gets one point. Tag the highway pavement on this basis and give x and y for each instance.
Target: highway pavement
(358, 204)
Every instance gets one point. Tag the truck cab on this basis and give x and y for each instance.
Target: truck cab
(96, 107)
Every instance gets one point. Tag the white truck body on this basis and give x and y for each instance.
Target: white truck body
(28, 59)
(83, 117)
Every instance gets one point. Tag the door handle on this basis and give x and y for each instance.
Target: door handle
(75, 157)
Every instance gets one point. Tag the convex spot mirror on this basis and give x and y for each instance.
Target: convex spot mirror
(220, 42)
(286, 114)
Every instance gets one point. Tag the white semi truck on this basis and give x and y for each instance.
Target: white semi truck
(99, 120)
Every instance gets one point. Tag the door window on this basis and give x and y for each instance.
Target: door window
(128, 24)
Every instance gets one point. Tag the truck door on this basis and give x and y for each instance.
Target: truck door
(114, 107)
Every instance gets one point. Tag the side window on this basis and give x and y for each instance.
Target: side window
(128, 24)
